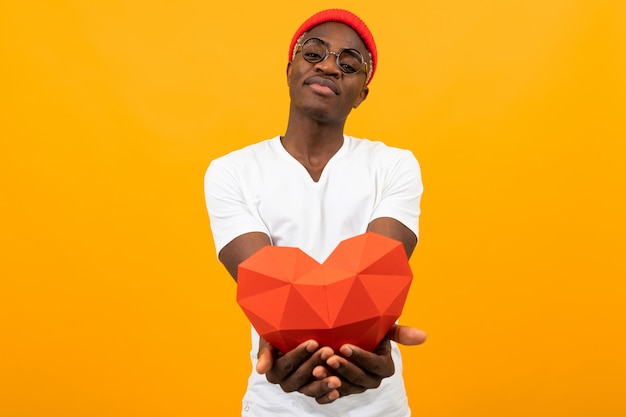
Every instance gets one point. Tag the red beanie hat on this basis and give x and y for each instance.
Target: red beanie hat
(342, 16)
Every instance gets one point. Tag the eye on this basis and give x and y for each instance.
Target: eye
(350, 61)
(348, 68)
(312, 56)
(314, 50)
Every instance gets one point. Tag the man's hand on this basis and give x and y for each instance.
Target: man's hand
(360, 370)
(293, 370)
(320, 373)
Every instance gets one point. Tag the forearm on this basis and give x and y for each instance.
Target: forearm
(240, 249)
(393, 229)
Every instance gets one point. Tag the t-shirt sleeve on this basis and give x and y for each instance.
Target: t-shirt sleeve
(230, 212)
(402, 192)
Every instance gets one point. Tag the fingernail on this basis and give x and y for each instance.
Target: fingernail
(346, 351)
(311, 346)
(326, 353)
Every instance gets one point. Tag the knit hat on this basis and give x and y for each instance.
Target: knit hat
(342, 16)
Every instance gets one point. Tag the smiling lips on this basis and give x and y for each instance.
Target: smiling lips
(322, 85)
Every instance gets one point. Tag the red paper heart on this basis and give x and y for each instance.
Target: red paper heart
(354, 297)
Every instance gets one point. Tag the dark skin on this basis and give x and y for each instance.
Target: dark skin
(317, 114)
(322, 97)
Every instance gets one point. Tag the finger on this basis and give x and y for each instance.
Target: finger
(324, 391)
(378, 363)
(265, 357)
(320, 372)
(348, 389)
(293, 375)
(302, 375)
(367, 373)
(406, 335)
(328, 398)
(291, 360)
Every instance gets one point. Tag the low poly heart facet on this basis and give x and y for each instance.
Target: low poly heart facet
(355, 296)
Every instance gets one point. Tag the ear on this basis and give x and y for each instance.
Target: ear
(362, 96)
(289, 68)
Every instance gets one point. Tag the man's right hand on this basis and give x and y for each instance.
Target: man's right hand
(293, 370)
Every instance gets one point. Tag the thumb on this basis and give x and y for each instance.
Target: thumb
(265, 357)
(406, 335)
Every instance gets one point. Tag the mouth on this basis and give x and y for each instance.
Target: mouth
(322, 85)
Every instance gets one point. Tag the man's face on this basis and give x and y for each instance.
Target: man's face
(322, 90)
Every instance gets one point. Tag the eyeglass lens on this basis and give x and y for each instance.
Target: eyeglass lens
(349, 61)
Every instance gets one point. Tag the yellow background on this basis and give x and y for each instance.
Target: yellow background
(112, 302)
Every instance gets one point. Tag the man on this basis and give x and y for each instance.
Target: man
(312, 188)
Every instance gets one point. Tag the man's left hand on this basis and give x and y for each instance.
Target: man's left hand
(360, 370)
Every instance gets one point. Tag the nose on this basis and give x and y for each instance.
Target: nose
(329, 64)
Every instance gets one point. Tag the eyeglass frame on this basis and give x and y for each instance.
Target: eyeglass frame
(298, 48)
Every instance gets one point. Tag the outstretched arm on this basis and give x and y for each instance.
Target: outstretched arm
(293, 370)
(353, 369)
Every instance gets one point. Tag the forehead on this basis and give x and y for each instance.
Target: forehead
(337, 36)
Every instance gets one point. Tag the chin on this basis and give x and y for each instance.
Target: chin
(317, 113)
(322, 114)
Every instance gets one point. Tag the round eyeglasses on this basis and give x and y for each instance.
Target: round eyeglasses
(349, 61)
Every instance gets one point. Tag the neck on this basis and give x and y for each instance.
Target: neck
(309, 136)
(313, 143)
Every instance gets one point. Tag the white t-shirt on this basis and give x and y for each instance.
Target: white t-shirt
(262, 188)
